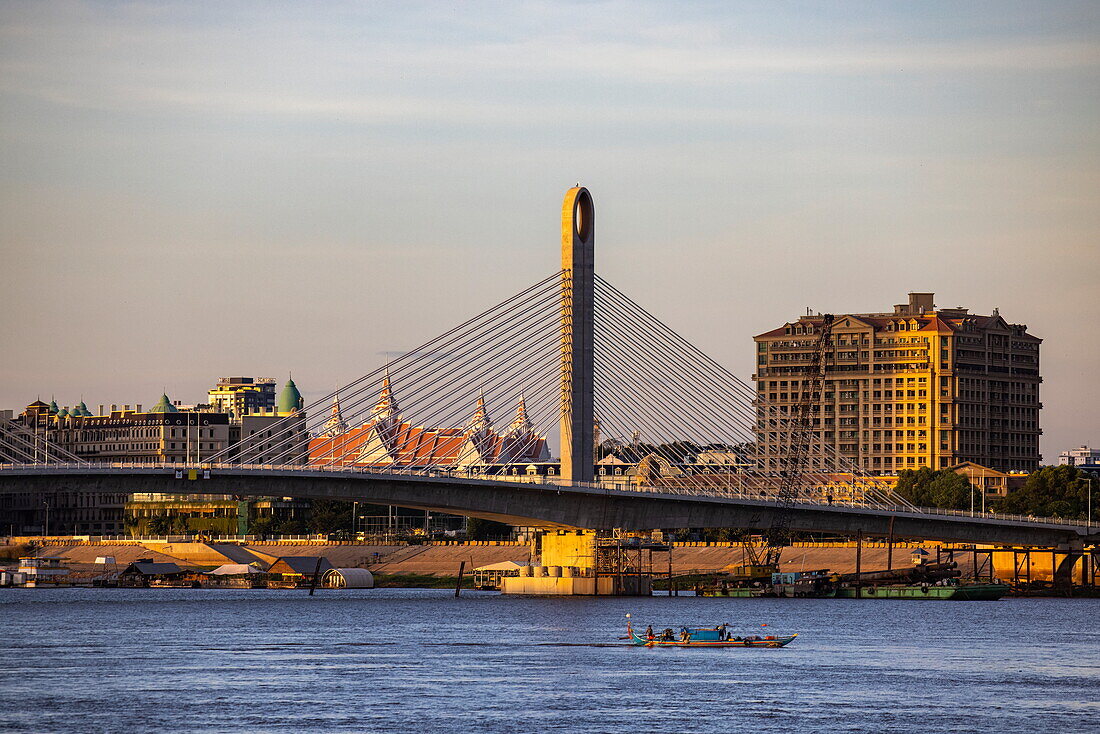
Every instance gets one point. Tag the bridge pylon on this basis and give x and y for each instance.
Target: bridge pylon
(578, 224)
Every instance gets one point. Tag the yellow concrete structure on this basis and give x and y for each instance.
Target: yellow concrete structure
(550, 586)
(917, 387)
(567, 566)
(568, 548)
(578, 423)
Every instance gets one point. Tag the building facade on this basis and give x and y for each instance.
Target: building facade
(917, 387)
(1081, 456)
(207, 515)
(240, 396)
(164, 434)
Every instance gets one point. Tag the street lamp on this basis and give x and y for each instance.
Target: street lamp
(1092, 476)
(983, 490)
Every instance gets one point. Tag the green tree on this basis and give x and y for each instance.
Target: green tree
(928, 488)
(329, 516)
(1050, 491)
(262, 526)
(131, 523)
(478, 529)
(290, 527)
(159, 525)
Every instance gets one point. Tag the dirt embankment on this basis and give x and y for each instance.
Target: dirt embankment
(444, 560)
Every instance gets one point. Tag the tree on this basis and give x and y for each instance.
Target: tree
(159, 525)
(1050, 491)
(291, 527)
(928, 488)
(131, 523)
(478, 529)
(329, 516)
(261, 526)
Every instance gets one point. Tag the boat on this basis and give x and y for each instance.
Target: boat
(955, 592)
(704, 637)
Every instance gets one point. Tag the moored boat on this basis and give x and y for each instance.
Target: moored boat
(955, 592)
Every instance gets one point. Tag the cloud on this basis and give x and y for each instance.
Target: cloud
(383, 68)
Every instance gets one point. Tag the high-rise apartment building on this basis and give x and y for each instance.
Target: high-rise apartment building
(917, 387)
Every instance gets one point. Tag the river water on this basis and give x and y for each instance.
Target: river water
(418, 660)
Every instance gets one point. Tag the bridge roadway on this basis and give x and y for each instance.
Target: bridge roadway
(542, 505)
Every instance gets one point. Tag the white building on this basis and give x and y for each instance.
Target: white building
(1079, 456)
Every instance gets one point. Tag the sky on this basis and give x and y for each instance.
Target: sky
(202, 189)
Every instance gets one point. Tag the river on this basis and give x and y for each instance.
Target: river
(418, 660)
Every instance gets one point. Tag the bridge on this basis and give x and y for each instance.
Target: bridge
(571, 355)
(550, 505)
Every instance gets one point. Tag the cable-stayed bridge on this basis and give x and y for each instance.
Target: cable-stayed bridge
(568, 404)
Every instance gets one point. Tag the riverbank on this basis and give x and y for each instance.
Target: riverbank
(435, 564)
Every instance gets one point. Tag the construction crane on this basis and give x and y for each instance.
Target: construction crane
(800, 428)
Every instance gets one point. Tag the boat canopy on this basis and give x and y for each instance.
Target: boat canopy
(234, 569)
(502, 566)
(348, 578)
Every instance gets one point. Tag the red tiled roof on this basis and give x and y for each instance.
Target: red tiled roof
(419, 446)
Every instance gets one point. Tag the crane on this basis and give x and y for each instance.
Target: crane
(800, 427)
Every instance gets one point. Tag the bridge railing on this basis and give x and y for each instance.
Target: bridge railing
(719, 492)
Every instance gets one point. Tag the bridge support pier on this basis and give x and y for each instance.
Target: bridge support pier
(578, 422)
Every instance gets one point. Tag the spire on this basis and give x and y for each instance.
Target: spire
(387, 405)
(480, 422)
(335, 425)
(521, 442)
(521, 426)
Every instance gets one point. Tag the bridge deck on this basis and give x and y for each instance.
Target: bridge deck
(566, 504)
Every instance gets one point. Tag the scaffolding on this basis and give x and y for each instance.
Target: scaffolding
(629, 562)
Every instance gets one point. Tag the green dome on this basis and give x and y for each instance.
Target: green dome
(164, 405)
(82, 409)
(53, 407)
(62, 413)
(289, 399)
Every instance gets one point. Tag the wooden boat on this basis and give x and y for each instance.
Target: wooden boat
(705, 637)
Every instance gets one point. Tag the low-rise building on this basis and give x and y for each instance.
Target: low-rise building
(1079, 456)
(162, 434)
(159, 514)
(166, 433)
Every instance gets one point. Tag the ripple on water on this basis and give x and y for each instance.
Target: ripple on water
(420, 660)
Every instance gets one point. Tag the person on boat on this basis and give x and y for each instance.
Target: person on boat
(649, 632)
(721, 631)
(685, 636)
